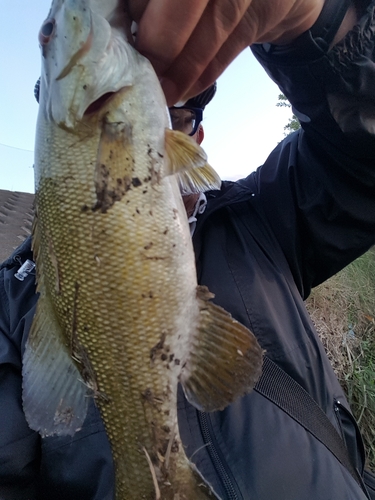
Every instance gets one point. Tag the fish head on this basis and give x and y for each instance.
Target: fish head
(87, 55)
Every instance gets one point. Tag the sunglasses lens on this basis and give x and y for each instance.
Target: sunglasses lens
(183, 120)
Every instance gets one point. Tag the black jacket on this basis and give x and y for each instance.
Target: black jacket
(261, 244)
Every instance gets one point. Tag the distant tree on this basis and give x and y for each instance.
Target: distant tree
(293, 123)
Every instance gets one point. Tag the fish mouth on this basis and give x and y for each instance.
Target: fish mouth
(99, 103)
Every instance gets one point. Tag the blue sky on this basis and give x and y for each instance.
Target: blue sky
(242, 124)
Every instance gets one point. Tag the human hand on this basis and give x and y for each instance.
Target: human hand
(191, 44)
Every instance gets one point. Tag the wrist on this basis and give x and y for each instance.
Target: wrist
(299, 20)
(329, 22)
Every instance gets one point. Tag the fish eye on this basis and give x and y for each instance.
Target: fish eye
(46, 31)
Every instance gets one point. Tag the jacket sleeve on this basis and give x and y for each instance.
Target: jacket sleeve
(19, 445)
(318, 186)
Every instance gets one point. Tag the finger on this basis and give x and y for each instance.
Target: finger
(237, 41)
(216, 25)
(165, 28)
(135, 8)
(259, 24)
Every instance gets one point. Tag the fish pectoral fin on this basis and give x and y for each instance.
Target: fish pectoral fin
(225, 361)
(187, 160)
(54, 396)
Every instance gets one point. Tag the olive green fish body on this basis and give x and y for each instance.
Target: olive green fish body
(123, 282)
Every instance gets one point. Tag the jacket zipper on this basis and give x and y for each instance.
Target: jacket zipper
(338, 406)
(216, 458)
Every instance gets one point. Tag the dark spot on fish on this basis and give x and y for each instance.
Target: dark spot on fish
(149, 151)
(136, 182)
(108, 190)
(84, 87)
(164, 357)
(171, 356)
(154, 257)
(177, 361)
(160, 155)
(84, 208)
(165, 231)
(151, 295)
(138, 212)
(144, 191)
(147, 247)
(166, 429)
(150, 212)
(63, 416)
(175, 212)
(157, 347)
(148, 395)
(147, 179)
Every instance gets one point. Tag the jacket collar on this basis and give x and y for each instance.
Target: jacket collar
(229, 194)
(19, 255)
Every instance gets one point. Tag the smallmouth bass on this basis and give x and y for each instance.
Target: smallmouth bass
(120, 317)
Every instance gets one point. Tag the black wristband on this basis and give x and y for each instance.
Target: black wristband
(329, 20)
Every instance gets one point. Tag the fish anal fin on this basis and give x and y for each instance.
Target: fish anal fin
(54, 396)
(225, 361)
(188, 161)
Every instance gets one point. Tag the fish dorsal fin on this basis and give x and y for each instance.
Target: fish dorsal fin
(225, 360)
(54, 396)
(187, 160)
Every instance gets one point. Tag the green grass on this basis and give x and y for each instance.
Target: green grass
(343, 310)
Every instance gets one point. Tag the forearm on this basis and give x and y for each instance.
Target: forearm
(293, 28)
(326, 171)
(331, 88)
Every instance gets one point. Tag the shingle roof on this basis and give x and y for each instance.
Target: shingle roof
(16, 216)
